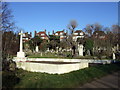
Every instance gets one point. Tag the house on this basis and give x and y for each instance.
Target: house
(78, 34)
(62, 35)
(27, 36)
(42, 34)
(99, 35)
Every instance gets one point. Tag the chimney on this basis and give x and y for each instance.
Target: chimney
(35, 33)
(67, 32)
(53, 32)
(31, 34)
(48, 33)
(45, 30)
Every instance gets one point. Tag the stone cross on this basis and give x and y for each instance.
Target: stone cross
(21, 54)
(21, 42)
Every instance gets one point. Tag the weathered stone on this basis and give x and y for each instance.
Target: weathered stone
(80, 49)
(37, 49)
(21, 53)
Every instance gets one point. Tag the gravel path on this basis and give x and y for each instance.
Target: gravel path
(109, 81)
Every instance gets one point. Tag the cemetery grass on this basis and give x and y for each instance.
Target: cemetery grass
(25, 79)
(66, 55)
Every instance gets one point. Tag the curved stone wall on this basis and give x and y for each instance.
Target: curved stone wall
(51, 68)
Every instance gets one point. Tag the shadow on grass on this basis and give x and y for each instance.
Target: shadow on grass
(9, 79)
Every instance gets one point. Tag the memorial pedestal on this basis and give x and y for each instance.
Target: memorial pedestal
(20, 54)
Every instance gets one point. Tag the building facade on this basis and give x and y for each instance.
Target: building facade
(27, 36)
(61, 34)
(78, 34)
(42, 34)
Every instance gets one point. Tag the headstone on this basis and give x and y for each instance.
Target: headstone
(117, 47)
(80, 49)
(41, 54)
(60, 49)
(21, 54)
(48, 49)
(57, 49)
(70, 49)
(113, 49)
(113, 56)
(37, 49)
(88, 52)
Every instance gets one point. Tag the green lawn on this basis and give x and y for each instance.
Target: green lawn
(38, 55)
(24, 79)
(65, 55)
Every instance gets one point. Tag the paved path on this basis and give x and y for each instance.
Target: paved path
(109, 81)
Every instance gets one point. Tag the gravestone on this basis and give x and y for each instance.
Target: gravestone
(114, 56)
(37, 49)
(117, 47)
(48, 50)
(57, 49)
(60, 49)
(88, 52)
(80, 49)
(21, 54)
(41, 54)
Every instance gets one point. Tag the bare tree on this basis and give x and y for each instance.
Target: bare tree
(73, 24)
(107, 30)
(97, 27)
(115, 29)
(116, 32)
(88, 29)
(6, 17)
(9, 38)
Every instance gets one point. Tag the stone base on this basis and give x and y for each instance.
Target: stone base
(17, 59)
(80, 53)
(20, 54)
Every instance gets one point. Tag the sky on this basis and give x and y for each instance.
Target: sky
(31, 16)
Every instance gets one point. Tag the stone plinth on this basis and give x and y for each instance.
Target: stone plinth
(21, 54)
(17, 59)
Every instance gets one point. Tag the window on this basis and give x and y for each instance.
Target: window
(61, 33)
(75, 33)
(56, 34)
(81, 33)
(42, 34)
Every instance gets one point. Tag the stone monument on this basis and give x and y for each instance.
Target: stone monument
(80, 49)
(37, 49)
(57, 49)
(21, 54)
(114, 56)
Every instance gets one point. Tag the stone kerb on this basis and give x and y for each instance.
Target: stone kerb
(62, 60)
(53, 59)
(69, 60)
(53, 68)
